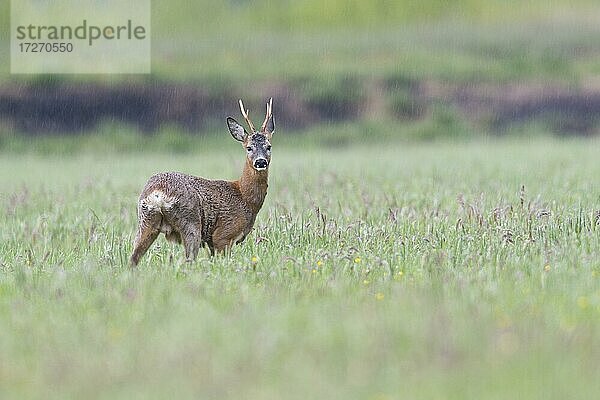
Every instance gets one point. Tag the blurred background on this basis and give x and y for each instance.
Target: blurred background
(338, 71)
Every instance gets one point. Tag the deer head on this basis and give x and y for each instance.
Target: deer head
(256, 143)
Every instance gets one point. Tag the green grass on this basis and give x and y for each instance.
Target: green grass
(381, 271)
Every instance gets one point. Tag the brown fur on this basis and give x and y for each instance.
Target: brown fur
(200, 212)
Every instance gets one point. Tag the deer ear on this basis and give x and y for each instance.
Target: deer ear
(270, 126)
(237, 131)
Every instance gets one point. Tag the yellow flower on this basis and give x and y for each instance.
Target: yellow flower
(254, 259)
(379, 296)
(546, 267)
(319, 263)
(115, 333)
(366, 282)
(357, 260)
(582, 302)
(314, 271)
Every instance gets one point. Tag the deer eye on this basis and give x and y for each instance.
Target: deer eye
(248, 149)
(268, 148)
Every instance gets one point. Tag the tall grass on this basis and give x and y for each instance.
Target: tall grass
(374, 271)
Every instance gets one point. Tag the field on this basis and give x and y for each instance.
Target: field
(375, 271)
(432, 228)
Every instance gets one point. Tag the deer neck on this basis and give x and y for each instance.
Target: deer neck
(253, 186)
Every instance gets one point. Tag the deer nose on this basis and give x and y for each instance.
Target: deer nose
(261, 163)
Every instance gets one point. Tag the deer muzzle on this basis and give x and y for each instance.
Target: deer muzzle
(261, 164)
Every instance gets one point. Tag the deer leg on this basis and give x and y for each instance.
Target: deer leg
(222, 245)
(222, 248)
(192, 241)
(148, 230)
(226, 234)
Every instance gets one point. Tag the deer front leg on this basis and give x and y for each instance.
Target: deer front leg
(222, 247)
(225, 236)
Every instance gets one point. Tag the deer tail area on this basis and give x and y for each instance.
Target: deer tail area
(158, 201)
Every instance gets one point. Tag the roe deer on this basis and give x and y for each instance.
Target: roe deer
(202, 212)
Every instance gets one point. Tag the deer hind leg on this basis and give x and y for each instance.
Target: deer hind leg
(148, 230)
(191, 236)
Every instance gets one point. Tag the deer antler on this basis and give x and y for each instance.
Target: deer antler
(245, 114)
(268, 115)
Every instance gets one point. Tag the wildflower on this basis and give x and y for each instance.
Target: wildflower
(115, 333)
(319, 263)
(314, 271)
(546, 268)
(254, 259)
(582, 302)
(357, 260)
(366, 282)
(379, 296)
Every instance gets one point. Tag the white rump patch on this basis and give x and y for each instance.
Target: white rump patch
(157, 200)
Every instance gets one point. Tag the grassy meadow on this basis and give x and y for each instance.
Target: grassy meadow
(375, 271)
(409, 247)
